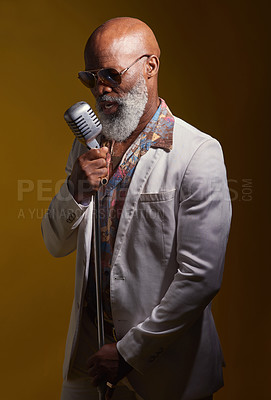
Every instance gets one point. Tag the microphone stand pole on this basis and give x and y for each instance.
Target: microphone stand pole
(98, 279)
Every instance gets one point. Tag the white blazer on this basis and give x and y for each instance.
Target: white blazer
(167, 265)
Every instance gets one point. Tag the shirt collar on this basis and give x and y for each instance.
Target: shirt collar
(161, 126)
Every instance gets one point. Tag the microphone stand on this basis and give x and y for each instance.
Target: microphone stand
(86, 127)
(98, 279)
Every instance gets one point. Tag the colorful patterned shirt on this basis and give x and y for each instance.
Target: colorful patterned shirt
(157, 133)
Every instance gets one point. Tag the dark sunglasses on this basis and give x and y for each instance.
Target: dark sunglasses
(108, 76)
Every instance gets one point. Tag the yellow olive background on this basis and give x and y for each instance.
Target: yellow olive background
(215, 74)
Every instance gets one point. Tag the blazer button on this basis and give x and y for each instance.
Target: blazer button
(70, 217)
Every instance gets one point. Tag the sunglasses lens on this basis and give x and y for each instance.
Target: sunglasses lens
(87, 78)
(110, 77)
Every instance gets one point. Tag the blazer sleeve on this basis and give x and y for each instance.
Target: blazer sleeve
(203, 225)
(60, 224)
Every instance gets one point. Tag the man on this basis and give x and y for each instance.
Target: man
(165, 218)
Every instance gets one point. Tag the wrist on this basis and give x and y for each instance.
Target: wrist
(124, 367)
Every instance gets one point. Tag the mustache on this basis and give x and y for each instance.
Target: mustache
(107, 97)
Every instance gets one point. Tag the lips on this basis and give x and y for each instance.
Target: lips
(109, 107)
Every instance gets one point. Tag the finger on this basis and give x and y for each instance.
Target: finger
(94, 154)
(95, 178)
(98, 163)
(104, 150)
(93, 164)
(99, 173)
(96, 374)
(94, 174)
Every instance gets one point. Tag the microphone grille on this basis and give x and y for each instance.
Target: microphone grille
(83, 122)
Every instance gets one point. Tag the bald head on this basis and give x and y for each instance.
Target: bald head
(124, 36)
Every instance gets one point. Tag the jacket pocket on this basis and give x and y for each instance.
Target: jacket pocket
(161, 196)
(153, 225)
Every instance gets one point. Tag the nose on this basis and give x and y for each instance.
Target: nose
(101, 88)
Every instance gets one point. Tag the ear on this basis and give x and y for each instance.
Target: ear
(152, 66)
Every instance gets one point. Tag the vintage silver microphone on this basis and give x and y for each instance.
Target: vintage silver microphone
(84, 124)
(86, 127)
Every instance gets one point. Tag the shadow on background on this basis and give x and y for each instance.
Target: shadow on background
(215, 75)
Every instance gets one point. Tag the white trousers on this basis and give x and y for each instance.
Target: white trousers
(78, 386)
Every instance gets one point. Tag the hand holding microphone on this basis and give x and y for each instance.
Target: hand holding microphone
(90, 169)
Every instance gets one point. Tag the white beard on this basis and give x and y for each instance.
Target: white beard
(120, 125)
